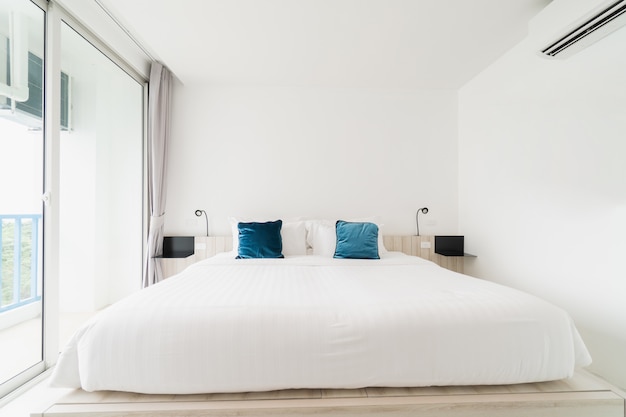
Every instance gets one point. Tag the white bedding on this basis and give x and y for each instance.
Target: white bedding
(226, 325)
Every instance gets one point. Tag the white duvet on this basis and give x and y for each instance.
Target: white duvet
(226, 325)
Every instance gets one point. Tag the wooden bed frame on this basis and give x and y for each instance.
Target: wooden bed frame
(584, 395)
(422, 246)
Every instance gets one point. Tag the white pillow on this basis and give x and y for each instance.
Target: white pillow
(292, 233)
(322, 237)
(294, 238)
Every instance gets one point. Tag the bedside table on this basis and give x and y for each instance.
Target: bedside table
(425, 247)
(178, 253)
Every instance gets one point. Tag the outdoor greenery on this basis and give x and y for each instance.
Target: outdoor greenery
(8, 252)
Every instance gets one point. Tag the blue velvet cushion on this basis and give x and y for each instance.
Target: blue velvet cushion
(260, 240)
(356, 240)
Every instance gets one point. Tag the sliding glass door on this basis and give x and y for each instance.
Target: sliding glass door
(22, 27)
(76, 144)
(101, 175)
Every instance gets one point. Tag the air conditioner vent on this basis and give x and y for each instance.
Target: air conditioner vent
(597, 26)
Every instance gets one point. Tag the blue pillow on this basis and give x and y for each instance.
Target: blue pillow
(356, 240)
(260, 240)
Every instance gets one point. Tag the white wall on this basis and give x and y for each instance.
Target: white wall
(281, 152)
(542, 189)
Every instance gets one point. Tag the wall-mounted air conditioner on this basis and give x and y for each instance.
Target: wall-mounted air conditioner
(590, 29)
(14, 48)
(28, 109)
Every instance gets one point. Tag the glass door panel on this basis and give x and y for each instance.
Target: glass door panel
(21, 186)
(101, 181)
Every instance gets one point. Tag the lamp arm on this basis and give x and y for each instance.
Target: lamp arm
(417, 219)
(206, 219)
(417, 222)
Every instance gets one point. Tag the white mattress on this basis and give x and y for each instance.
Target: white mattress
(226, 325)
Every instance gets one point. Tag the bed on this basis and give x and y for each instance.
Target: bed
(310, 321)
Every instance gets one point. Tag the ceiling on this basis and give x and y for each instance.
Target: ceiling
(407, 44)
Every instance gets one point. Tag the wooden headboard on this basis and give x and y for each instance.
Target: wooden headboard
(422, 246)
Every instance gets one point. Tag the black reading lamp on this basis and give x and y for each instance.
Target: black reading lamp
(424, 210)
(206, 219)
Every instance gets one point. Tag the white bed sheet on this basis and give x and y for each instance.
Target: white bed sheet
(226, 325)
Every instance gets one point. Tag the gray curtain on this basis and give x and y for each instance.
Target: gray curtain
(159, 96)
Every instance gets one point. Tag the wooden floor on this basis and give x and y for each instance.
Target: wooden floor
(584, 395)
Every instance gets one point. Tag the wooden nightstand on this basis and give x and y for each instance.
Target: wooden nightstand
(178, 253)
(202, 247)
(424, 247)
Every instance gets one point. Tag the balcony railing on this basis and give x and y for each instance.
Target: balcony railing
(19, 269)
